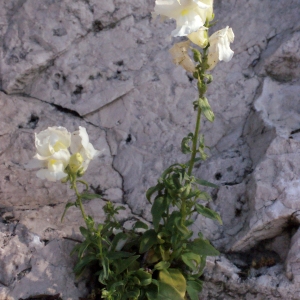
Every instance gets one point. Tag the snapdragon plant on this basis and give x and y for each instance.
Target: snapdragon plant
(164, 261)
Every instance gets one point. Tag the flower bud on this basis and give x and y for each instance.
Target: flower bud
(199, 37)
(75, 162)
(80, 172)
(64, 180)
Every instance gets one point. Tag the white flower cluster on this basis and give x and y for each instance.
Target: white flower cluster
(191, 16)
(53, 155)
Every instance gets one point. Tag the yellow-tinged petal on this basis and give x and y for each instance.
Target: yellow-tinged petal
(180, 56)
(219, 48)
(200, 37)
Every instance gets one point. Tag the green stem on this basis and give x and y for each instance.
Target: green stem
(195, 142)
(79, 202)
(198, 121)
(85, 183)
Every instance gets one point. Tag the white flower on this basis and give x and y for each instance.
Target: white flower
(55, 170)
(219, 48)
(190, 15)
(52, 153)
(80, 144)
(51, 141)
(209, 13)
(180, 56)
(200, 37)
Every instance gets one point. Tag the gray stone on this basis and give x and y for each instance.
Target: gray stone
(105, 66)
(51, 273)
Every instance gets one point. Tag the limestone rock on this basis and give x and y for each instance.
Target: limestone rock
(20, 118)
(105, 66)
(51, 273)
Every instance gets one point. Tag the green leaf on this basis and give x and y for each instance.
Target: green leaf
(206, 183)
(202, 266)
(175, 220)
(202, 247)
(140, 224)
(185, 148)
(167, 292)
(83, 262)
(172, 278)
(84, 232)
(119, 254)
(83, 247)
(197, 55)
(119, 239)
(169, 170)
(209, 78)
(162, 265)
(149, 238)
(206, 109)
(158, 208)
(89, 196)
(106, 270)
(194, 193)
(204, 196)
(194, 288)
(75, 249)
(133, 294)
(152, 190)
(208, 213)
(191, 259)
(68, 205)
(145, 277)
(152, 290)
(123, 264)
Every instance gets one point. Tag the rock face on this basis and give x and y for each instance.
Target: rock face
(105, 66)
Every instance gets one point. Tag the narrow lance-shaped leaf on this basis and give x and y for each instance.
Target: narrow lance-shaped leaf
(152, 190)
(194, 288)
(206, 109)
(158, 208)
(140, 224)
(208, 213)
(185, 148)
(84, 231)
(149, 238)
(118, 241)
(206, 183)
(202, 247)
(162, 265)
(123, 264)
(90, 196)
(191, 259)
(204, 196)
(83, 263)
(68, 205)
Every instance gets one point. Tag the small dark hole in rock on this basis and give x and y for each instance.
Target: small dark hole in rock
(97, 190)
(218, 176)
(119, 63)
(97, 26)
(129, 139)
(238, 212)
(32, 122)
(78, 90)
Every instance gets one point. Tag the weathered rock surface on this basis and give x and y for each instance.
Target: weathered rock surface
(105, 66)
